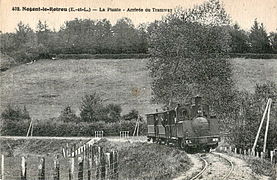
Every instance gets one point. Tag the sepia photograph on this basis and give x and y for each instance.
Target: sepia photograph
(138, 90)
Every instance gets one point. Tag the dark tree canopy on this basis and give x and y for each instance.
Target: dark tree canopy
(259, 39)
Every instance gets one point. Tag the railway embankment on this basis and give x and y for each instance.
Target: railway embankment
(142, 160)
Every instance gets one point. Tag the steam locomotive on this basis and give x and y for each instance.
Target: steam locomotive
(190, 126)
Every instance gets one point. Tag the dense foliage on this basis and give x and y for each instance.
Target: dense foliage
(59, 129)
(92, 110)
(252, 107)
(189, 57)
(15, 114)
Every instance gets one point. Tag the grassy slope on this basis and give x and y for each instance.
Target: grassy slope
(248, 72)
(147, 161)
(46, 87)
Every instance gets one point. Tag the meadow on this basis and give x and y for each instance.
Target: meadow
(47, 86)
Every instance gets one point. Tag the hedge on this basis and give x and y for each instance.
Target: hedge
(101, 56)
(59, 129)
(253, 56)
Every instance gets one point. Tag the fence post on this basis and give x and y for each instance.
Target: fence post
(107, 159)
(112, 165)
(97, 156)
(2, 167)
(23, 168)
(56, 175)
(116, 165)
(236, 150)
(89, 166)
(41, 169)
(66, 150)
(249, 152)
(71, 169)
(81, 168)
(240, 151)
(262, 155)
(257, 155)
(271, 156)
(103, 164)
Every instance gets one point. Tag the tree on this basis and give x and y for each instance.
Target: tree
(239, 40)
(23, 34)
(273, 41)
(189, 57)
(91, 108)
(133, 114)
(125, 36)
(113, 112)
(258, 39)
(252, 108)
(67, 115)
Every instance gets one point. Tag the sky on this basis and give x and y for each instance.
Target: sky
(242, 12)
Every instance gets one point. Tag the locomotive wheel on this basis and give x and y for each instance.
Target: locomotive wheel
(182, 144)
(207, 149)
(167, 142)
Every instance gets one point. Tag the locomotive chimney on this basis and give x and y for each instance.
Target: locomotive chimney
(198, 101)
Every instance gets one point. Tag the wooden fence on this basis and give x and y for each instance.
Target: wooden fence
(85, 163)
(124, 134)
(248, 152)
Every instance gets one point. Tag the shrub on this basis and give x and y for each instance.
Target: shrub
(15, 113)
(133, 114)
(102, 56)
(92, 110)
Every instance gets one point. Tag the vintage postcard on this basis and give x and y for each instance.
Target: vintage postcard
(138, 90)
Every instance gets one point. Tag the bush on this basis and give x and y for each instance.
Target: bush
(102, 56)
(248, 120)
(253, 56)
(15, 113)
(67, 115)
(133, 114)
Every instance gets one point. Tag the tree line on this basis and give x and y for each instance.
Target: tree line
(78, 36)
(86, 36)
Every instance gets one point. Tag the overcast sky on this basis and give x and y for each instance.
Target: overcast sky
(241, 11)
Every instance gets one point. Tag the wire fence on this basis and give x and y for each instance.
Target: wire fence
(89, 164)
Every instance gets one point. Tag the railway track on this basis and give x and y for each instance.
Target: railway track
(211, 170)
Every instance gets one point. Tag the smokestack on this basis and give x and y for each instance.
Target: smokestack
(198, 100)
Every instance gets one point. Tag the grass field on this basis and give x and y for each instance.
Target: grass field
(248, 72)
(46, 87)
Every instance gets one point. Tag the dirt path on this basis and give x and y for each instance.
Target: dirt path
(218, 167)
(241, 170)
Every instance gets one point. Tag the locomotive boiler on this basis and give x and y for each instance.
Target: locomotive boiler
(190, 126)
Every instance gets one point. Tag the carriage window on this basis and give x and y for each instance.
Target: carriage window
(150, 119)
(185, 114)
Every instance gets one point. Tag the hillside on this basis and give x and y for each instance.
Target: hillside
(46, 87)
